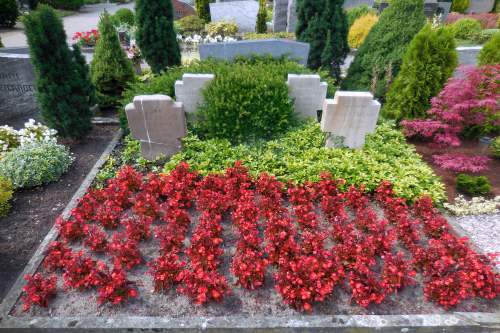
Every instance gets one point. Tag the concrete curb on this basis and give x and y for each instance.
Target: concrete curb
(35, 261)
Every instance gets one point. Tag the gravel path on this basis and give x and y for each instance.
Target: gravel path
(483, 231)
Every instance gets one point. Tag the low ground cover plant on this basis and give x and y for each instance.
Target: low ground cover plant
(487, 20)
(475, 206)
(6, 192)
(473, 185)
(495, 147)
(348, 245)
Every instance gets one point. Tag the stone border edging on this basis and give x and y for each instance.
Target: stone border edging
(15, 291)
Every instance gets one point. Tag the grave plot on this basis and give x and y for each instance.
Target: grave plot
(185, 246)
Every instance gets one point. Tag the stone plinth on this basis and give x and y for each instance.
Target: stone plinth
(351, 115)
(188, 91)
(158, 123)
(308, 93)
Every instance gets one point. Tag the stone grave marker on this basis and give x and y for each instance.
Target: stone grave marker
(158, 123)
(351, 115)
(355, 3)
(291, 16)
(308, 93)
(280, 15)
(188, 91)
(243, 13)
(275, 47)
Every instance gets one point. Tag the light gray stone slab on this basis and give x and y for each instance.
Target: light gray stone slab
(351, 115)
(274, 47)
(355, 3)
(158, 123)
(291, 16)
(280, 15)
(243, 13)
(308, 93)
(189, 90)
(480, 6)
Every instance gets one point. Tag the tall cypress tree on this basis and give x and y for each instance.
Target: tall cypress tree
(84, 71)
(312, 28)
(261, 26)
(156, 36)
(337, 47)
(62, 89)
(203, 9)
(111, 70)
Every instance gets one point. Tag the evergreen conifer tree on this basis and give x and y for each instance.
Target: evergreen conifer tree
(337, 47)
(427, 64)
(62, 90)
(156, 36)
(84, 71)
(261, 26)
(312, 28)
(379, 57)
(203, 9)
(111, 70)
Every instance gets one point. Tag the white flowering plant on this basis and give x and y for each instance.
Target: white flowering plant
(32, 132)
(475, 206)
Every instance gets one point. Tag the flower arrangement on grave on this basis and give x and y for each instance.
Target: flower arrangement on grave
(86, 38)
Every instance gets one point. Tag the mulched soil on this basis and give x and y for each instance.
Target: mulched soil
(449, 177)
(35, 210)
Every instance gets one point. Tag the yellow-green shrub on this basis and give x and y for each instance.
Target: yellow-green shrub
(360, 29)
(6, 192)
(222, 28)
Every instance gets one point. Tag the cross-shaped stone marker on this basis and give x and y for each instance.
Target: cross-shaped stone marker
(352, 115)
(158, 123)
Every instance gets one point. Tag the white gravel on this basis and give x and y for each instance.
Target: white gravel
(483, 231)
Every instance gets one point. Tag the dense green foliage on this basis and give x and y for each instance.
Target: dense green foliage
(245, 103)
(156, 36)
(360, 29)
(490, 53)
(190, 25)
(427, 64)
(6, 191)
(8, 13)
(261, 26)
(64, 4)
(466, 28)
(164, 83)
(35, 164)
(221, 28)
(123, 16)
(495, 147)
(336, 47)
(459, 6)
(311, 28)
(356, 12)
(111, 70)
(379, 58)
(62, 87)
(473, 185)
(203, 9)
(84, 72)
(300, 156)
(269, 35)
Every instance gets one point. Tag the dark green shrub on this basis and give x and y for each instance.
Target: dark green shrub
(379, 58)
(156, 36)
(84, 72)
(356, 12)
(466, 28)
(473, 185)
(427, 64)
(490, 53)
(459, 6)
(64, 4)
(110, 69)
(203, 9)
(336, 47)
(6, 191)
(312, 28)
(261, 25)
(62, 89)
(190, 25)
(8, 13)
(123, 16)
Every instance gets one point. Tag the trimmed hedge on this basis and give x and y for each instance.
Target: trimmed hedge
(473, 185)
(490, 53)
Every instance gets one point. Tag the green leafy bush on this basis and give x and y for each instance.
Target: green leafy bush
(473, 185)
(203, 9)
(8, 13)
(269, 35)
(35, 164)
(379, 58)
(221, 28)
(64, 4)
(490, 53)
(245, 103)
(459, 6)
(427, 64)
(466, 28)
(300, 156)
(356, 12)
(6, 191)
(123, 16)
(495, 147)
(261, 24)
(190, 25)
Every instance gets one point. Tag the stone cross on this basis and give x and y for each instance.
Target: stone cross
(188, 91)
(308, 93)
(352, 115)
(158, 123)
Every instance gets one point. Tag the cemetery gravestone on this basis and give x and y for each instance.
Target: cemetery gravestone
(355, 3)
(158, 123)
(308, 93)
(188, 91)
(480, 6)
(351, 115)
(291, 16)
(280, 15)
(243, 13)
(275, 47)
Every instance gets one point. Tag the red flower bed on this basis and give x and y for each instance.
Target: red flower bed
(311, 239)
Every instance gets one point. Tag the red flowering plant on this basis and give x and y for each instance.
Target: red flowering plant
(125, 251)
(95, 238)
(70, 229)
(56, 256)
(167, 271)
(38, 290)
(86, 38)
(138, 228)
(80, 272)
(115, 288)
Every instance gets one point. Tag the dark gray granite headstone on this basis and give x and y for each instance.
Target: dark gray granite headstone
(355, 3)
(280, 15)
(274, 47)
(243, 13)
(17, 88)
(292, 16)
